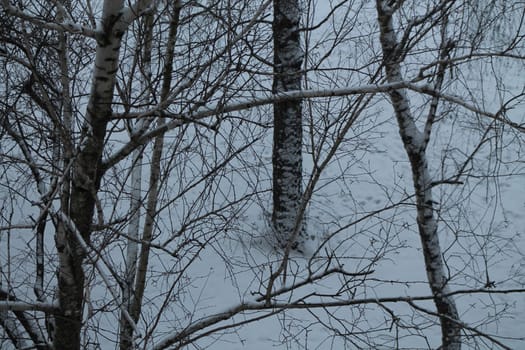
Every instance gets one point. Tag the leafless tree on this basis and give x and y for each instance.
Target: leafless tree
(415, 143)
(137, 166)
(287, 162)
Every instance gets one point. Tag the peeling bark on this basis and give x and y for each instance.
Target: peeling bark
(415, 143)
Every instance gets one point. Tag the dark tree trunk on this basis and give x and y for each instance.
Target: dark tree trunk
(86, 178)
(287, 138)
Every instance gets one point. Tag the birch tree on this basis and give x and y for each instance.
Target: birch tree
(74, 219)
(287, 214)
(415, 142)
(137, 170)
(136, 265)
(144, 57)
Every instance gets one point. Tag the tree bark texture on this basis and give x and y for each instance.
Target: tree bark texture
(415, 147)
(287, 138)
(86, 180)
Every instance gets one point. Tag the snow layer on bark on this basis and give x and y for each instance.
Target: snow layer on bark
(287, 154)
(414, 143)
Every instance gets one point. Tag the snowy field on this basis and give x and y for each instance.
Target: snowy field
(389, 244)
(360, 280)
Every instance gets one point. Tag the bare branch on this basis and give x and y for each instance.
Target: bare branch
(28, 306)
(279, 307)
(66, 26)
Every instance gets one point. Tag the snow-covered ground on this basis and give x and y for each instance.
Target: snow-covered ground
(210, 255)
(363, 217)
(389, 243)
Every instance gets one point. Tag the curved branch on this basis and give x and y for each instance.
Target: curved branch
(227, 314)
(65, 26)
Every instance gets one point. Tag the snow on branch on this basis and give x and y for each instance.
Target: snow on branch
(204, 111)
(27, 306)
(67, 25)
(185, 336)
(9, 302)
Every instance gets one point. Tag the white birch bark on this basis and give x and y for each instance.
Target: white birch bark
(415, 143)
(30, 326)
(23, 325)
(87, 174)
(126, 331)
(13, 332)
(155, 169)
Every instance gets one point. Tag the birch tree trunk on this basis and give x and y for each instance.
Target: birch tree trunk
(144, 51)
(287, 137)
(126, 331)
(155, 169)
(415, 143)
(86, 179)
